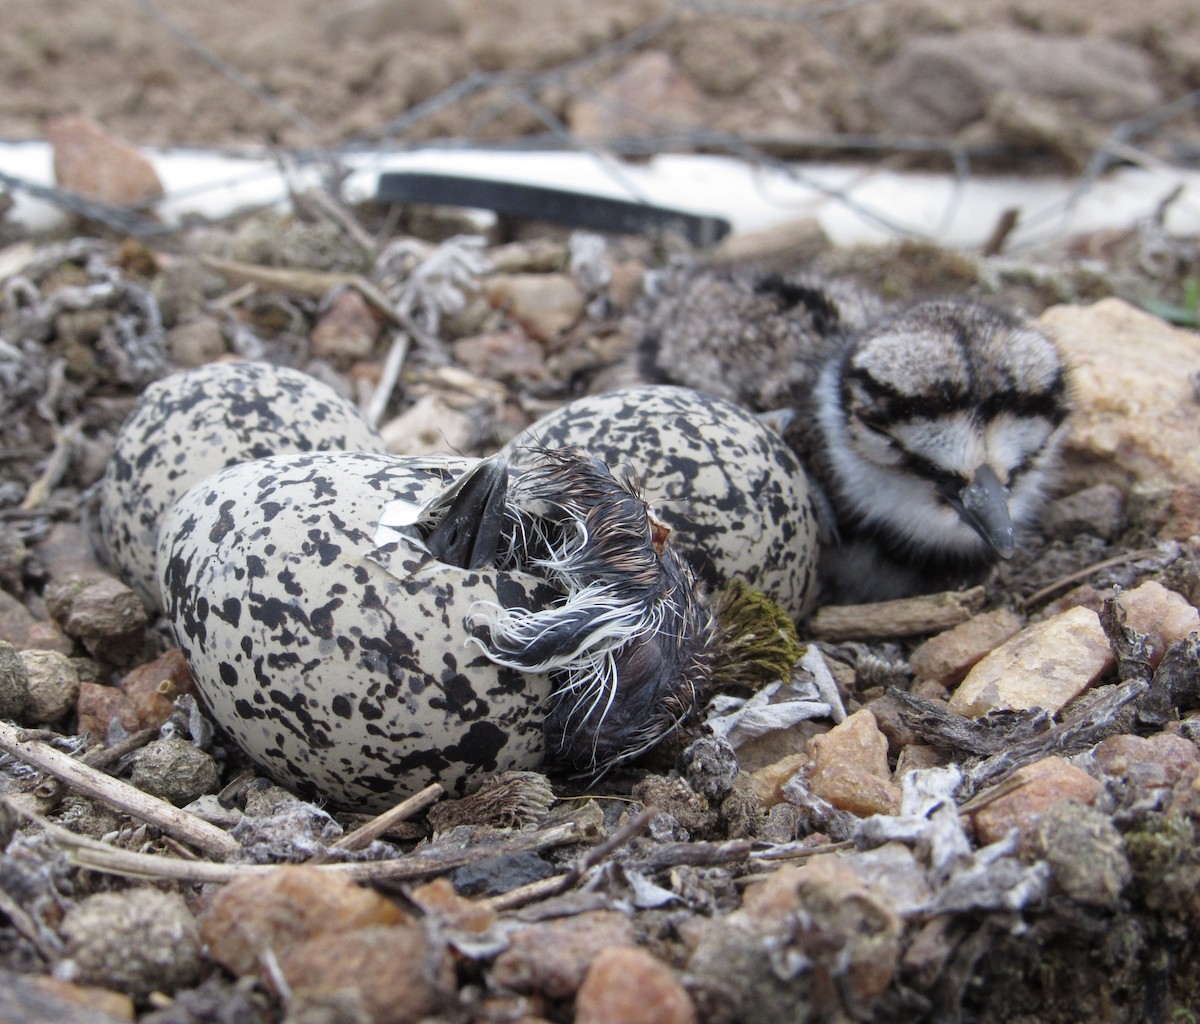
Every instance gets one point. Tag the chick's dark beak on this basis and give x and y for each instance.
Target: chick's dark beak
(983, 505)
(468, 532)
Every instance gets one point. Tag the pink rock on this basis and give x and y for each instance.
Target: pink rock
(1040, 786)
(947, 657)
(627, 985)
(347, 331)
(551, 958)
(285, 908)
(91, 162)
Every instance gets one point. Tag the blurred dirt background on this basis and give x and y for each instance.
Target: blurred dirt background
(1046, 870)
(1045, 75)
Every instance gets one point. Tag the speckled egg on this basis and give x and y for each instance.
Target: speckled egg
(327, 640)
(736, 498)
(191, 424)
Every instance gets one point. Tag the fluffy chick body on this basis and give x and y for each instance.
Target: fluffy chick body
(932, 431)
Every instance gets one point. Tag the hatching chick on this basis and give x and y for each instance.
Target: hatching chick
(933, 431)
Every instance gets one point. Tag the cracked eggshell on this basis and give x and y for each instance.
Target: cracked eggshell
(735, 496)
(334, 653)
(191, 424)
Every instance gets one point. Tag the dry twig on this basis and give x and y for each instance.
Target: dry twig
(908, 616)
(118, 795)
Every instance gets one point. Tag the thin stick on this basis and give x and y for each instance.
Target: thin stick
(1082, 574)
(97, 856)
(377, 826)
(387, 379)
(553, 886)
(56, 465)
(119, 795)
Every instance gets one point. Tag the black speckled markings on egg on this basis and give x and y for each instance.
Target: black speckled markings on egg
(192, 424)
(733, 493)
(341, 666)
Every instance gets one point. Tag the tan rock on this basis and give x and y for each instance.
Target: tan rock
(104, 1003)
(92, 162)
(947, 657)
(551, 958)
(546, 305)
(429, 427)
(768, 781)
(1040, 786)
(392, 973)
(1046, 665)
(509, 356)
(861, 929)
(53, 685)
(286, 907)
(197, 342)
(152, 687)
(1136, 414)
(849, 767)
(1146, 764)
(627, 985)
(438, 897)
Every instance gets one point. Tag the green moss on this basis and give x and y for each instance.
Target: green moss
(757, 640)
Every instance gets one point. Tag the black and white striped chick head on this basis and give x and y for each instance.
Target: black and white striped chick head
(940, 429)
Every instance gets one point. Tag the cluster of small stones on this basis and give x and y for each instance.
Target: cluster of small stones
(888, 927)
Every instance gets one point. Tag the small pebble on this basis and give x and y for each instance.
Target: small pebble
(710, 767)
(153, 687)
(627, 985)
(176, 770)
(551, 958)
(101, 611)
(347, 331)
(849, 767)
(100, 709)
(1099, 510)
(53, 685)
(947, 657)
(394, 973)
(137, 941)
(1086, 853)
(283, 908)
(546, 305)
(14, 683)
(196, 343)
(1040, 786)
(1046, 665)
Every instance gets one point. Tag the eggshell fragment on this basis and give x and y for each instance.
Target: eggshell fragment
(335, 652)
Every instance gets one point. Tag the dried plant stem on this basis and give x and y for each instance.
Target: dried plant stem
(97, 856)
(1038, 596)
(545, 887)
(119, 795)
(377, 826)
(388, 378)
(56, 465)
(908, 616)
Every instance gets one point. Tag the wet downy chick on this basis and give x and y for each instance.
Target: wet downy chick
(932, 431)
(634, 640)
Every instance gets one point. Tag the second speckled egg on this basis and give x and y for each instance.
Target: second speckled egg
(735, 496)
